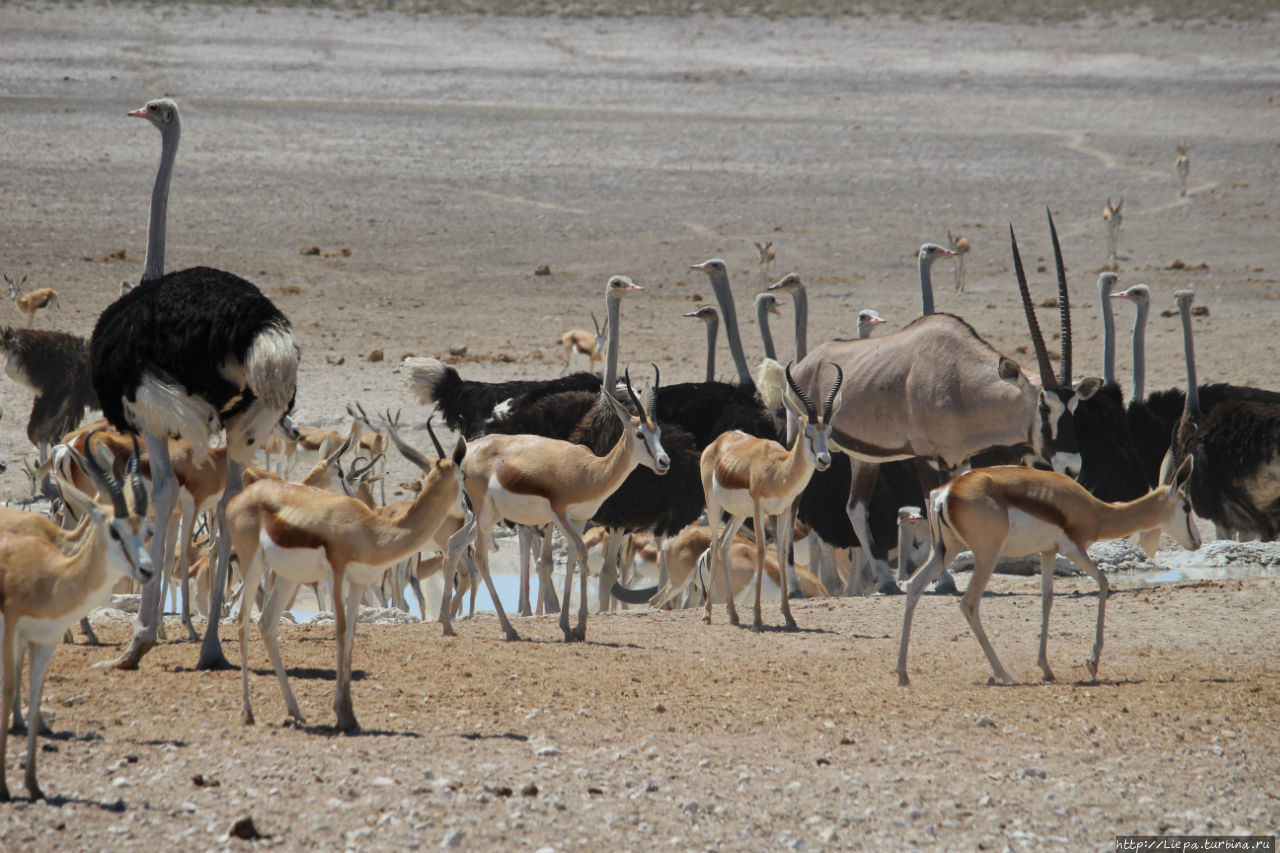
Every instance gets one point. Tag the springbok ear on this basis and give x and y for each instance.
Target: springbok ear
(1088, 387)
(792, 406)
(835, 406)
(459, 451)
(1009, 371)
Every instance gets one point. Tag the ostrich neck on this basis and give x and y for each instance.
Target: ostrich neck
(762, 317)
(802, 323)
(720, 284)
(611, 352)
(926, 285)
(154, 266)
(1108, 332)
(1188, 347)
(1140, 352)
(712, 328)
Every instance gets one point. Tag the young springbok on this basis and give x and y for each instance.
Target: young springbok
(1013, 511)
(29, 303)
(534, 480)
(47, 584)
(305, 535)
(746, 476)
(579, 345)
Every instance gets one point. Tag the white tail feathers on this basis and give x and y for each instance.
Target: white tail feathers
(771, 383)
(163, 407)
(271, 369)
(423, 376)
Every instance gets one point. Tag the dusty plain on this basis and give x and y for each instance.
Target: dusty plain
(452, 156)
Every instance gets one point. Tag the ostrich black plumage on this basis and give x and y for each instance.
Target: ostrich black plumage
(55, 365)
(189, 353)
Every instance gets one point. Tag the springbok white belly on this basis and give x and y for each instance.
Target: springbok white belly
(739, 502)
(49, 631)
(533, 509)
(299, 565)
(1030, 535)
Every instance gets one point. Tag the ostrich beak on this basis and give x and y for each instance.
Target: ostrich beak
(140, 112)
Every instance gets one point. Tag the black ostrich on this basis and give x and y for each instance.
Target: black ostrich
(1235, 445)
(55, 365)
(188, 354)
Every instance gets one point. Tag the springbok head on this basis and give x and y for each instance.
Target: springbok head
(1053, 435)
(1113, 213)
(648, 449)
(602, 333)
(15, 286)
(433, 469)
(125, 520)
(815, 428)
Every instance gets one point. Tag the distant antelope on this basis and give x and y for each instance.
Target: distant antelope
(1184, 166)
(1013, 511)
(1112, 214)
(959, 245)
(579, 344)
(765, 256)
(30, 303)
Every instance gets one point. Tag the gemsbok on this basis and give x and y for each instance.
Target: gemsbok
(1012, 511)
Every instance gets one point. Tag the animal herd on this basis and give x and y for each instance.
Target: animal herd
(195, 372)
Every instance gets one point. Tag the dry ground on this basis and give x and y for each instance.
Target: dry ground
(454, 155)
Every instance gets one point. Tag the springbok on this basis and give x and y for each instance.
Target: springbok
(533, 480)
(29, 303)
(1112, 214)
(47, 584)
(1013, 511)
(1183, 165)
(936, 391)
(305, 535)
(960, 246)
(580, 345)
(765, 257)
(746, 476)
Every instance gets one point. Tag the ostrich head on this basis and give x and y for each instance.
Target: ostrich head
(868, 319)
(930, 252)
(768, 303)
(707, 314)
(788, 283)
(1139, 294)
(162, 112)
(621, 285)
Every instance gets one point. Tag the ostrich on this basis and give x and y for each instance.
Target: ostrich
(959, 245)
(1234, 482)
(190, 353)
(1111, 468)
(708, 315)
(868, 319)
(1183, 165)
(29, 303)
(766, 304)
(791, 284)
(1112, 214)
(55, 365)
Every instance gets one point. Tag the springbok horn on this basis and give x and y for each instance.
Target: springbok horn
(358, 470)
(1047, 379)
(134, 470)
(653, 396)
(595, 323)
(1064, 303)
(104, 480)
(831, 397)
(406, 451)
(626, 380)
(804, 398)
(431, 432)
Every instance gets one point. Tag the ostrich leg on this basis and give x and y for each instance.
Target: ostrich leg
(211, 656)
(164, 499)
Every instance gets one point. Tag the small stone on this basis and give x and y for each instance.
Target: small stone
(244, 828)
(548, 751)
(986, 722)
(660, 708)
(309, 250)
(530, 790)
(543, 269)
(376, 355)
(689, 807)
(458, 349)
(452, 838)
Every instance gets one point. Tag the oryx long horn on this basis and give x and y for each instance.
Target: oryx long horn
(653, 395)
(1047, 379)
(831, 396)
(1064, 303)
(406, 451)
(804, 398)
(134, 471)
